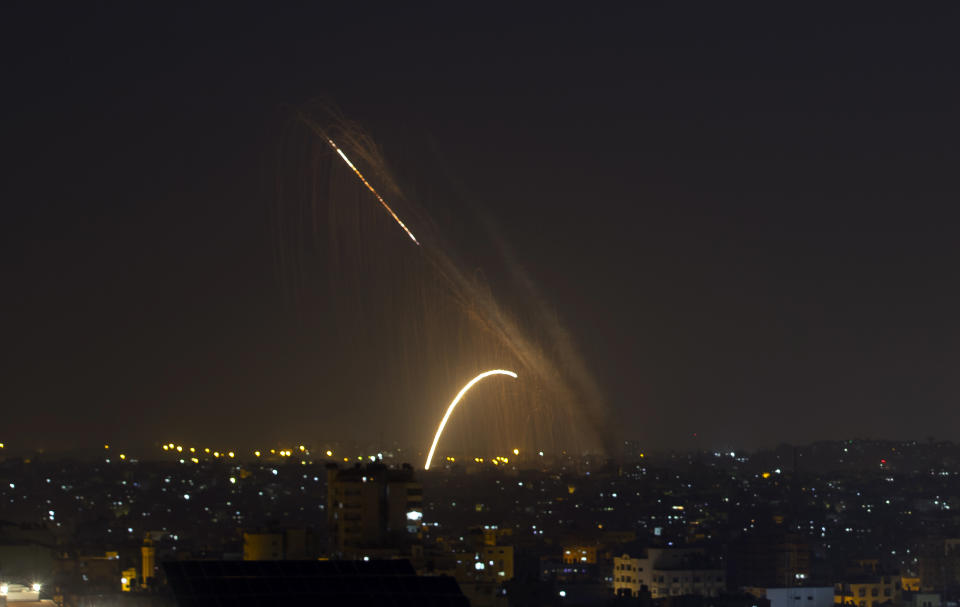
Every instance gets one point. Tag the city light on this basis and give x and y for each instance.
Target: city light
(190, 491)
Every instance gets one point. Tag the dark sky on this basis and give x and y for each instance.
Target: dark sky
(747, 220)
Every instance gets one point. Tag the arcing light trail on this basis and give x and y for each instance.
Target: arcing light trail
(375, 193)
(456, 400)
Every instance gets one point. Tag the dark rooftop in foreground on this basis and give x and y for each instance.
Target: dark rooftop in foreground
(241, 583)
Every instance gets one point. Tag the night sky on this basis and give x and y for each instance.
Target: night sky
(747, 220)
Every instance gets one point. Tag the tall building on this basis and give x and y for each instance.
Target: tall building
(372, 507)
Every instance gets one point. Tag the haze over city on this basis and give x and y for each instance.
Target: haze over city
(744, 224)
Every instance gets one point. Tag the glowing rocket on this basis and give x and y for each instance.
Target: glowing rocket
(456, 400)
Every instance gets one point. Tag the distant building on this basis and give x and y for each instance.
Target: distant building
(922, 599)
(910, 583)
(262, 546)
(498, 561)
(668, 572)
(493, 555)
(696, 600)
(488, 535)
(148, 563)
(372, 507)
(18, 593)
(277, 544)
(868, 591)
(775, 560)
(26, 549)
(78, 576)
(800, 596)
(128, 579)
(940, 565)
(577, 554)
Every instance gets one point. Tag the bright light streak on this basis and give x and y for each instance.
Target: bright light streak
(373, 191)
(456, 400)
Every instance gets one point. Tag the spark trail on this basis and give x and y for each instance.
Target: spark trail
(463, 391)
(373, 191)
(450, 316)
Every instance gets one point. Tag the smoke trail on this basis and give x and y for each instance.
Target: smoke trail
(562, 395)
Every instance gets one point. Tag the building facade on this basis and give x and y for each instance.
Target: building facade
(869, 591)
(668, 572)
(372, 507)
(802, 596)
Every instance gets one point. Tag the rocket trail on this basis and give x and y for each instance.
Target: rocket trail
(456, 400)
(372, 190)
(558, 373)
